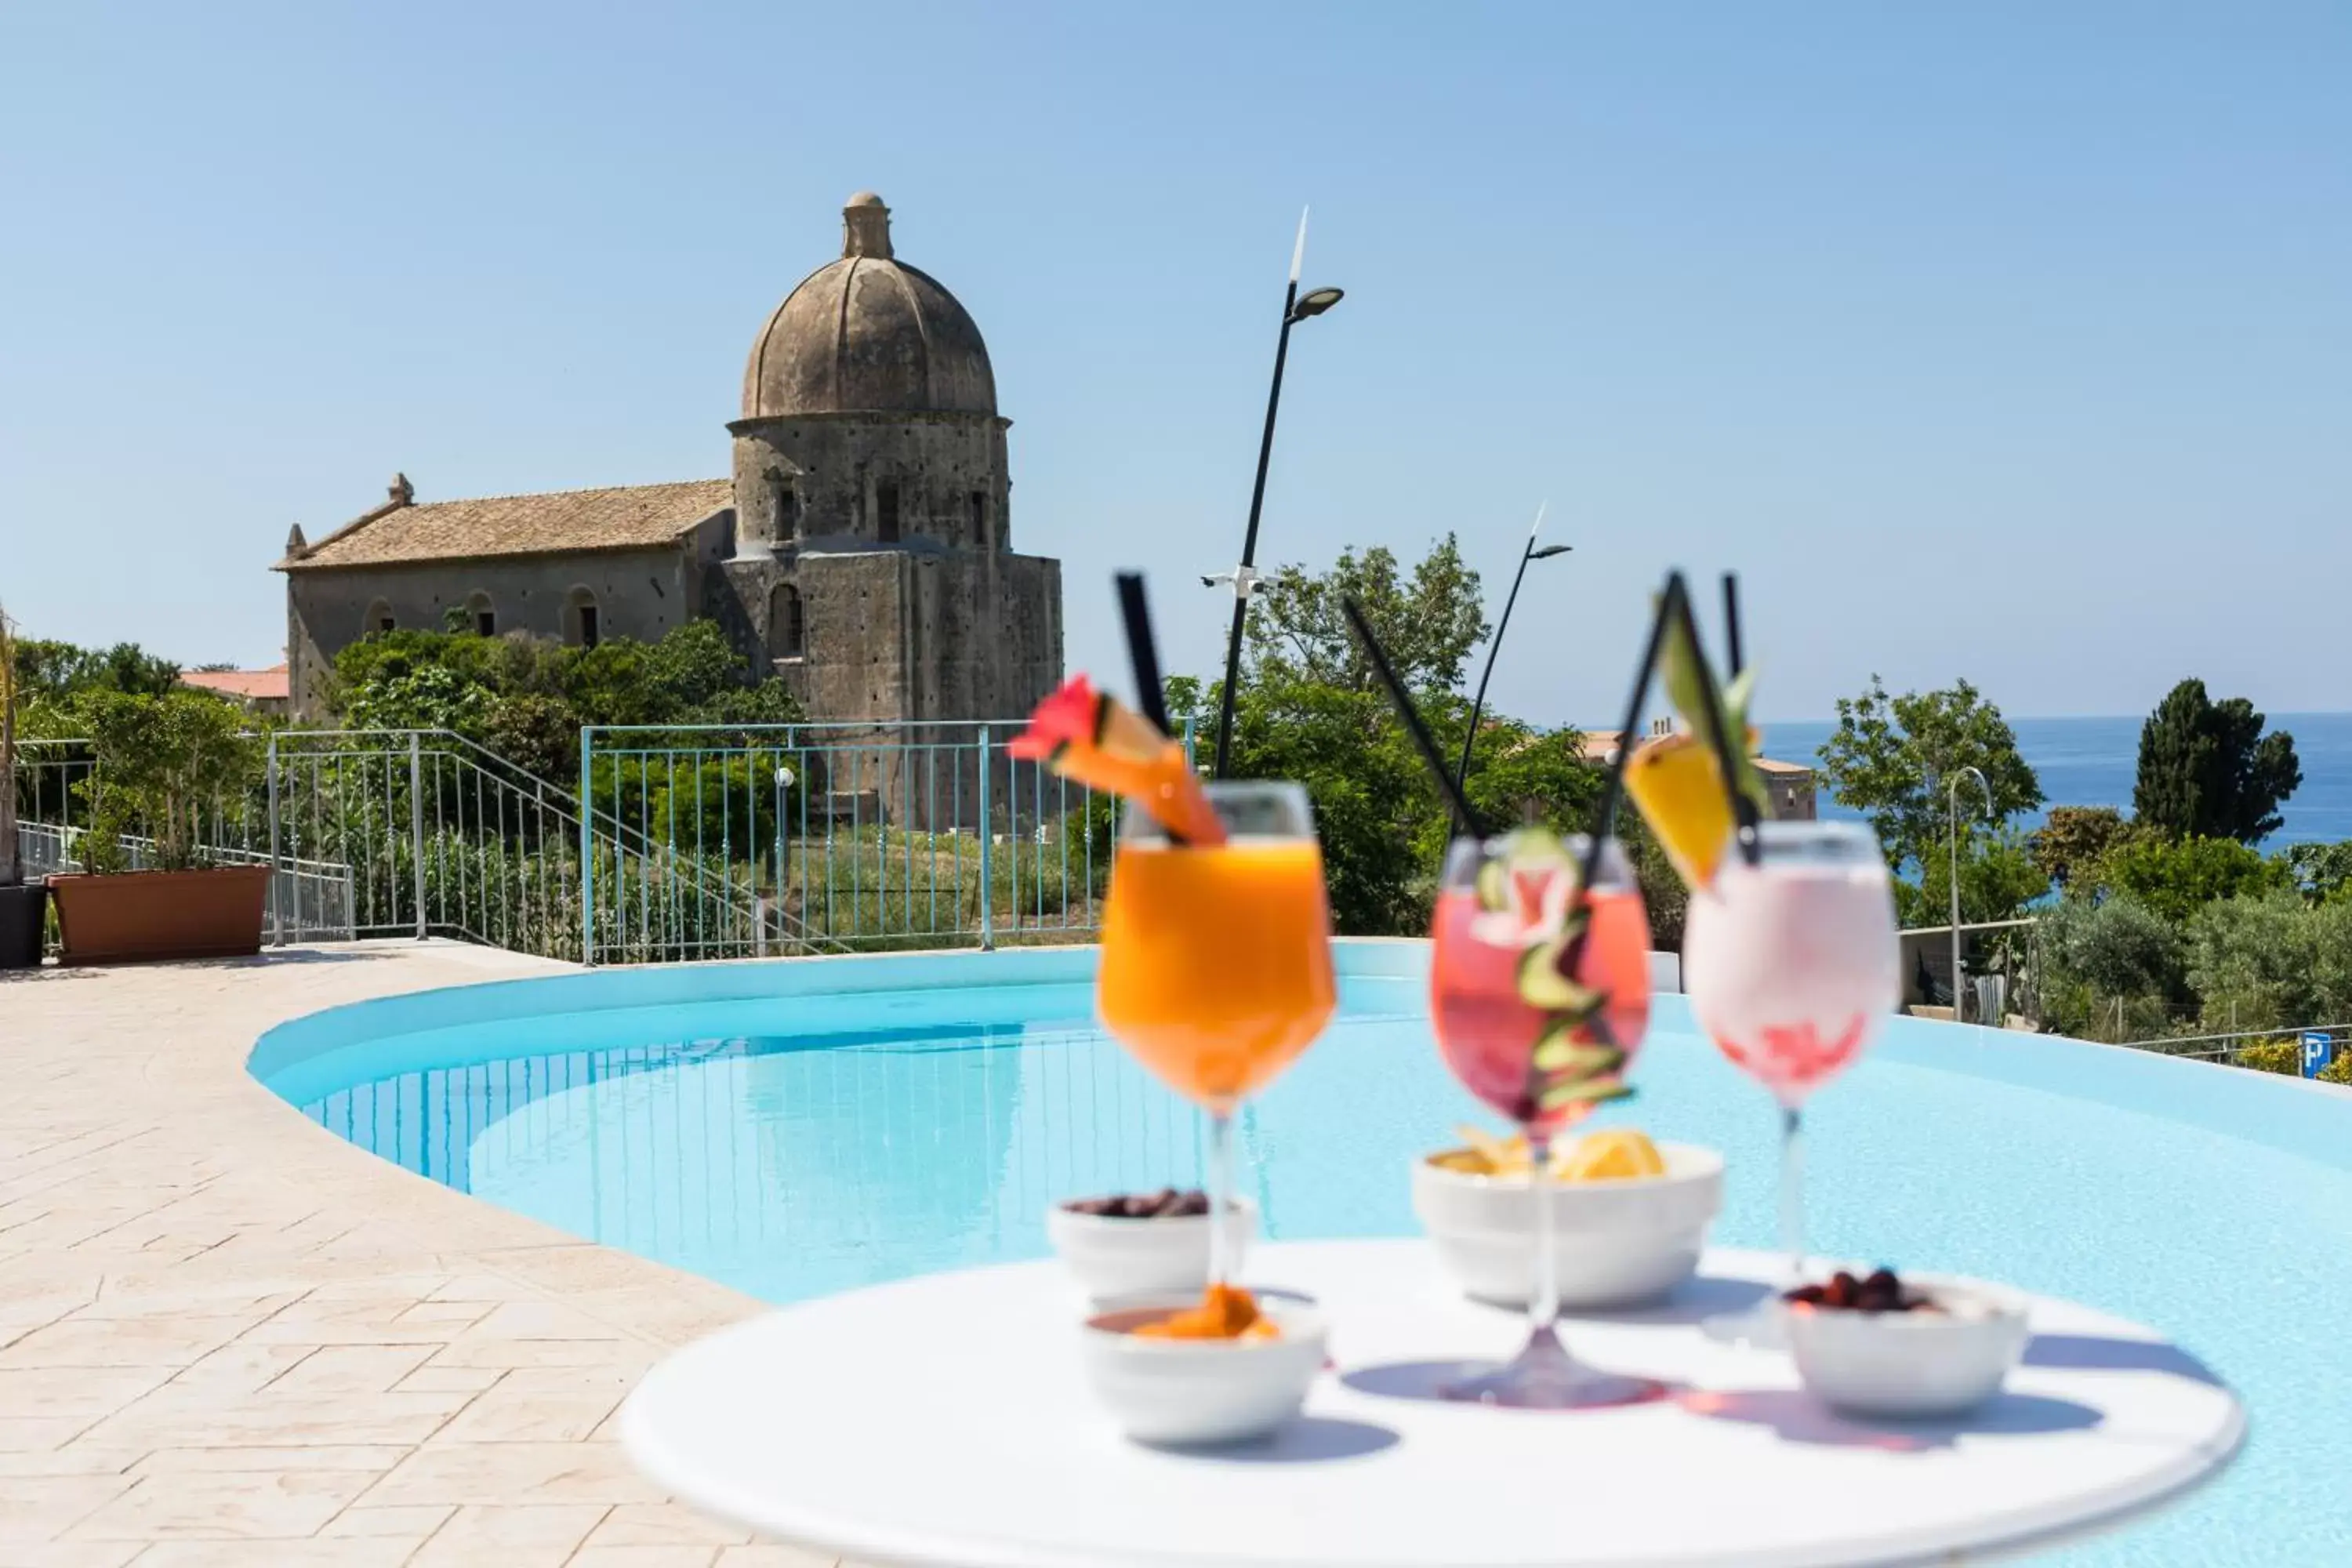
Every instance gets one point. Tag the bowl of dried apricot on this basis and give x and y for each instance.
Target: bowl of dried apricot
(1629, 1217)
(1220, 1368)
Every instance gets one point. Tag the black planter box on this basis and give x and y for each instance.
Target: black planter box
(21, 912)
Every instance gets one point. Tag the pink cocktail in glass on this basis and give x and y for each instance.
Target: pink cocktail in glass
(1486, 1029)
(1539, 994)
(1791, 961)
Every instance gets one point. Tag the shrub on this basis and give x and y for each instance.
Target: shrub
(2177, 878)
(2272, 1056)
(2271, 962)
(2118, 947)
(165, 763)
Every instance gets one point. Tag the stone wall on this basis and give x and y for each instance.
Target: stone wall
(832, 465)
(640, 593)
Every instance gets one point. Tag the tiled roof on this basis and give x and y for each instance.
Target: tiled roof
(630, 517)
(1601, 745)
(248, 685)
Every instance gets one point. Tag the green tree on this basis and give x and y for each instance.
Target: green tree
(56, 672)
(1429, 622)
(165, 763)
(2266, 963)
(2116, 945)
(2206, 768)
(1891, 757)
(2321, 870)
(1999, 878)
(2177, 878)
(2073, 839)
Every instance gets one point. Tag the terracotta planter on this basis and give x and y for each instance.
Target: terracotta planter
(142, 916)
(21, 911)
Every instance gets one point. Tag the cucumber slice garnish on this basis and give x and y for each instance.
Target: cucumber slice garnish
(1541, 984)
(1599, 1091)
(1560, 1053)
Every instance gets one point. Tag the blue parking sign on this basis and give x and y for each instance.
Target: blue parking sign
(2318, 1051)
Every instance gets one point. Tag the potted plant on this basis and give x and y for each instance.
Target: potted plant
(22, 908)
(149, 887)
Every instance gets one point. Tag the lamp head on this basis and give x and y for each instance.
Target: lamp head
(1314, 301)
(1548, 551)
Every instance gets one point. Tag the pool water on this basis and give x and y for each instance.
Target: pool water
(793, 1145)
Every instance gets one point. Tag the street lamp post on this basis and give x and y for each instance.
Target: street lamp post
(1462, 773)
(1952, 874)
(1295, 309)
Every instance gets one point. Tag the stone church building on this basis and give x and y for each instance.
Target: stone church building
(862, 548)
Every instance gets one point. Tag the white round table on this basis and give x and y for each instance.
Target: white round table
(943, 1420)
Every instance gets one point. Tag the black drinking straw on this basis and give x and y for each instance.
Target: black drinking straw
(1424, 743)
(1613, 790)
(1731, 624)
(1142, 653)
(1743, 810)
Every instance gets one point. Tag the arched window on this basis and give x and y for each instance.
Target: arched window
(378, 619)
(787, 632)
(583, 622)
(482, 616)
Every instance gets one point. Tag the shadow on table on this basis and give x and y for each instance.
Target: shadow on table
(1309, 1440)
(2096, 1353)
(1797, 1417)
(1429, 1379)
(1695, 1301)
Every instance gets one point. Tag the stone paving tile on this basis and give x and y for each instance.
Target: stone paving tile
(490, 1473)
(76, 1553)
(40, 1508)
(373, 1459)
(411, 1523)
(347, 1552)
(516, 1415)
(236, 1505)
(517, 1537)
(662, 1524)
(228, 1338)
(352, 1368)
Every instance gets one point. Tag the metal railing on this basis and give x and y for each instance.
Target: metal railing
(696, 842)
(835, 837)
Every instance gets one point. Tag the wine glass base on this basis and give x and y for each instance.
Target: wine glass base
(1544, 1376)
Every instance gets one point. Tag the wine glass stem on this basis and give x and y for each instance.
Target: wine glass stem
(1221, 1197)
(1543, 1297)
(1792, 1194)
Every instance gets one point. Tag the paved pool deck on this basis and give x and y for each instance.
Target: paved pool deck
(227, 1337)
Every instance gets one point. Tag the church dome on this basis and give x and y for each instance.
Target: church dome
(869, 335)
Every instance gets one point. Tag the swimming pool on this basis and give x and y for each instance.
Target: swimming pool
(794, 1129)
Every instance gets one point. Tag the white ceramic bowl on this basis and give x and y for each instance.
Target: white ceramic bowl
(1911, 1363)
(1621, 1243)
(1194, 1391)
(1166, 1257)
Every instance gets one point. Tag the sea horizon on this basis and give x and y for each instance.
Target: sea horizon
(2092, 760)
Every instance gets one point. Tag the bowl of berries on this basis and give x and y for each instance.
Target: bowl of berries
(1145, 1244)
(1922, 1345)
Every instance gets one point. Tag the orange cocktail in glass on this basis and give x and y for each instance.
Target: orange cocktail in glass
(1216, 959)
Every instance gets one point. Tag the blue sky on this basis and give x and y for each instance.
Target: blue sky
(2006, 340)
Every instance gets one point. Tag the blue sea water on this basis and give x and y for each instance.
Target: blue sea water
(796, 1145)
(2094, 760)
